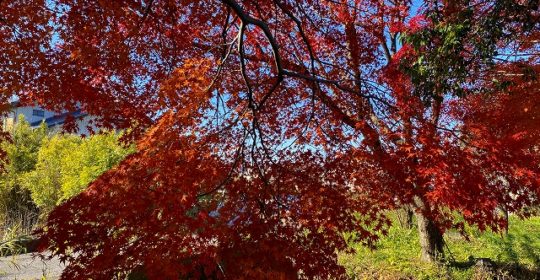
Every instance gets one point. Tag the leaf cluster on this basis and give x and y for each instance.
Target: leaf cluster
(462, 39)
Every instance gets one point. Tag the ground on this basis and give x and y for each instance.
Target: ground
(28, 267)
(397, 256)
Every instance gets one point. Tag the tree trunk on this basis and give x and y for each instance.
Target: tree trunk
(409, 214)
(431, 239)
(504, 213)
(405, 217)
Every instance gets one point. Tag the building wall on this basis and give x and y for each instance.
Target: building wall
(31, 115)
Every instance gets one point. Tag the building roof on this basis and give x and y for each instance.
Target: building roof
(15, 103)
(59, 119)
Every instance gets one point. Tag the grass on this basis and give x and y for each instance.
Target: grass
(397, 256)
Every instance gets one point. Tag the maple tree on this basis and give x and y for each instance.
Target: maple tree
(267, 129)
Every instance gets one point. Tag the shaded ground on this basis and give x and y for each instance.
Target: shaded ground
(26, 267)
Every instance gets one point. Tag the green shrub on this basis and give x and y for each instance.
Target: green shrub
(66, 164)
(43, 169)
(45, 181)
(16, 205)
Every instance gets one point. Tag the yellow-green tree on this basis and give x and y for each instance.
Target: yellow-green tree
(22, 147)
(66, 164)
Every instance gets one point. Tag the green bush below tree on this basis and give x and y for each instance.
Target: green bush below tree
(43, 169)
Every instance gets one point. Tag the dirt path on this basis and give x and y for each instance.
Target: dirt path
(26, 267)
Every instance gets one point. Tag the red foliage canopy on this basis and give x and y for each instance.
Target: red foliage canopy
(267, 129)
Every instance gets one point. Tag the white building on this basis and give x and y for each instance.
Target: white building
(36, 115)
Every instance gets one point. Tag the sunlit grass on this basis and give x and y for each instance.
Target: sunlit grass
(397, 255)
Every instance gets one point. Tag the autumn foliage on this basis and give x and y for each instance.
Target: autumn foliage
(268, 129)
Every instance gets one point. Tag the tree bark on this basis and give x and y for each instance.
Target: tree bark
(504, 213)
(409, 214)
(405, 217)
(431, 239)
